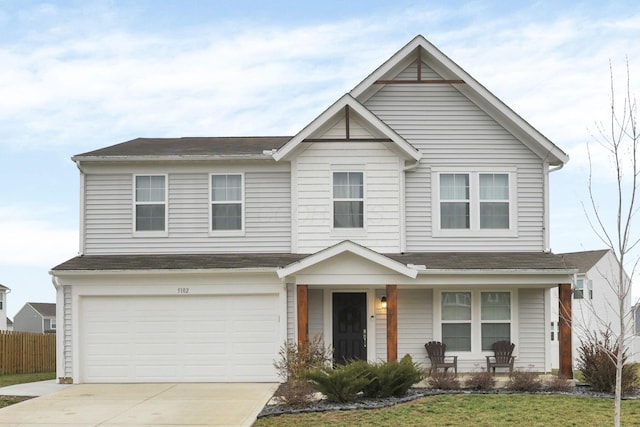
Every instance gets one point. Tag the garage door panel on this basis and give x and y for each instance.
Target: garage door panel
(185, 338)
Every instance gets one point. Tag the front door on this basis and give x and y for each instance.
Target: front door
(349, 326)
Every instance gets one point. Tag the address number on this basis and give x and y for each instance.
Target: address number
(183, 290)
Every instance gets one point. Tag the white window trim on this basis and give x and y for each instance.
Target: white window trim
(52, 324)
(343, 232)
(476, 320)
(151, 233)
(474, 229)
(218, 233)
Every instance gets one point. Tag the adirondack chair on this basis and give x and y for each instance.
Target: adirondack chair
(502, 357)
(435, 351)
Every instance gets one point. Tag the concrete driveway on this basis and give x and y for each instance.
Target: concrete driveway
(143, 404)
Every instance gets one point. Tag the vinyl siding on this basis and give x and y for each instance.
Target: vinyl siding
(313, 169)
(531, 339)
(66, 330)
(291, 313)
(450, 130)
(109, 216)
(316, 314)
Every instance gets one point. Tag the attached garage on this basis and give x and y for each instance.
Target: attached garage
(179, 338)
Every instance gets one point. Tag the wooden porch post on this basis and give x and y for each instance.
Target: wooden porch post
(303, 314)
(392, 323)
(564, 331)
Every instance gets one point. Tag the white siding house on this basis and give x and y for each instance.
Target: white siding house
(199, 257)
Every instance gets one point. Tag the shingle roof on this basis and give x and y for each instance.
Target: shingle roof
(194, 146)
(432, 260)
(585, 260)
(46, 309)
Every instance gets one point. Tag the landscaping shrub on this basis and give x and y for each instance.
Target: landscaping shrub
(481, 380)
(524, 381)
(559, 384)
(295, 361)
(340, 384)
(391, 378)
(597, 359)
(444, 380)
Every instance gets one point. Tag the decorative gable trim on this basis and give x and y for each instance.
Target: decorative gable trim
(421, 50)
(345, 107)
(340, 248)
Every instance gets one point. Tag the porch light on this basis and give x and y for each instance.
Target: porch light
(383, 301)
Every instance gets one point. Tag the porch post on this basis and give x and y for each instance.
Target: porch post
(392, 323)
(303, 314)
(564, 331)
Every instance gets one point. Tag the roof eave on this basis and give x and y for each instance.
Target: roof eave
(146, 158)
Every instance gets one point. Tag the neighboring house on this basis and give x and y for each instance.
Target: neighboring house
(3, 307)
(595, 300)
(9, 324)
(414, 208)
(35, 317)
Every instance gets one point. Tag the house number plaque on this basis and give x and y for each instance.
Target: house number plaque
(183, 290)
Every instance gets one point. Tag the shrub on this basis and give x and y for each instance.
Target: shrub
(524, 381)
(559, 384)
(597, 360)
(444, 380)
(297, 394)
(391, 378)
(296, 360)
(340, 384)
(481, 380)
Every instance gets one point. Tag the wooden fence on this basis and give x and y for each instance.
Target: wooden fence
(27, 352)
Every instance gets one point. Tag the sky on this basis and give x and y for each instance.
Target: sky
(80, 75)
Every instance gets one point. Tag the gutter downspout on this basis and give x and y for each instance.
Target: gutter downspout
(546, 238)
(81, 222)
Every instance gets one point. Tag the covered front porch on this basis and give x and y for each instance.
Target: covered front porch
(377, 307)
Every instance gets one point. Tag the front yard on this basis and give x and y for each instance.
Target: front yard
(477, 410)
(11, 379)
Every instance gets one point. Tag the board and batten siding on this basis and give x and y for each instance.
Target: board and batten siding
(532, 322)
(450, 130)
(109, 215)
(313, 210)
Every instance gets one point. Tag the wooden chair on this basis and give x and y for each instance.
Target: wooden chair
(435, 351)
(502, 357)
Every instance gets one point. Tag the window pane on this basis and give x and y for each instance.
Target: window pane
(348, 214)
(454, 186)
(456, 306)
(150, 188)
(226, 216)
(150, 217)
(457, 336)
(348, 185)
(494, 186)
(578, 292)
(226, 188)
(492, 332)
(454, 215)
(494, 215)
(495, 306)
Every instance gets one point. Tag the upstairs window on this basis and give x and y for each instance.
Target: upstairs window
(348, 199)
(579, 290)
(52, 324)
(473, 203)
(227, 200)
(150, 203)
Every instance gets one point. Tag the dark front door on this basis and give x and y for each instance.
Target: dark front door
(349, 326)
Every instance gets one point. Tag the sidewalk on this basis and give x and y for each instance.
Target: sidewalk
(38, 388)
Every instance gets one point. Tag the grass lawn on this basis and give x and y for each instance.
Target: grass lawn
(475, 410)
(12, 379)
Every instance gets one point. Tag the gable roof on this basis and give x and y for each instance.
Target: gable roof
(346, 103)
(199, 147)
(585, 260)
(3, 288)
(452, 73)
(46, 309)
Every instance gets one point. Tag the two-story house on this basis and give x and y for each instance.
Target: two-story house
(4, 321)
(36, 317)
(414, 208)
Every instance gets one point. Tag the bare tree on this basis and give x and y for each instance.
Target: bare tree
(620, 140)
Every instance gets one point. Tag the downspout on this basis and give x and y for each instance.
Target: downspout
(546, 238)
(403, 206)
(60, 332)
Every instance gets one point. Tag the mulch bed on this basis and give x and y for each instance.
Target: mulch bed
(10, 400)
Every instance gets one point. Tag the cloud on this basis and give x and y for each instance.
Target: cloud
(31, 242)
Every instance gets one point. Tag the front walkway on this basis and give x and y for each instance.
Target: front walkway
(143, 404)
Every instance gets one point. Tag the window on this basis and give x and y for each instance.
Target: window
(226, 202)
(468, 203)
(150, 203)
(578, 292)
(456, 320)
(1, 299)
(52, 324)
(348, 200)
(495, 315)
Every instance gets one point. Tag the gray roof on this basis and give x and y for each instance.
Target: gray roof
(191, 146)
(432, 260)
(46, 309)
(585, 260)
